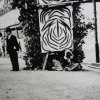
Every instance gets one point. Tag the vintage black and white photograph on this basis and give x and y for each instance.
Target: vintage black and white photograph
(49, 50)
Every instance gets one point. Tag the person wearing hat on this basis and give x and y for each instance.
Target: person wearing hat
(12, 49)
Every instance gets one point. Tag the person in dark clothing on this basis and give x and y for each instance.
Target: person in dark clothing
(12, 49)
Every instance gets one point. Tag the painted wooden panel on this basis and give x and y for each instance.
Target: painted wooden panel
(56, 29)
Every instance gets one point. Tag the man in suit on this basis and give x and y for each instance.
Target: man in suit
(12, 49)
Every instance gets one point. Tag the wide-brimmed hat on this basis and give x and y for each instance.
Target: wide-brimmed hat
(8, 29)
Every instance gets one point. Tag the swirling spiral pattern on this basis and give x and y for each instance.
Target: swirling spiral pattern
(56, 33)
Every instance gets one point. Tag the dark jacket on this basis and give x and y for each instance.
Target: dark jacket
(12, 45)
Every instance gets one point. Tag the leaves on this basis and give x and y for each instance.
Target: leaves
(29, 19)
(80, 31)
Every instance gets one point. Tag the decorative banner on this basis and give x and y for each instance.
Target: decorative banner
(56, 29)
(50, 2)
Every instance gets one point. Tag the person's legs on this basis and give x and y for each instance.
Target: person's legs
(14, 61)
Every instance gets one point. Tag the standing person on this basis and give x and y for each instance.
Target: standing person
(0, 44)
(3, 46)
(12, 49)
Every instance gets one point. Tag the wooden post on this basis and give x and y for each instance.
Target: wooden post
(45, 61)
(17, 32)
(96, 33)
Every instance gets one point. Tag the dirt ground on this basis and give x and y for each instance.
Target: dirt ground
(47, 85)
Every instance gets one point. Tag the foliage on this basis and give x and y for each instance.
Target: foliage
(4, 9)
(80, 30)
(29, 20)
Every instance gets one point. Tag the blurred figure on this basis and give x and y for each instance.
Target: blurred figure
(68, 56)
(57, 65)
(3, 46)
(67, 61)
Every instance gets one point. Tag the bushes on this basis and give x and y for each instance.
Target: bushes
(29, 20)
(80, 31)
